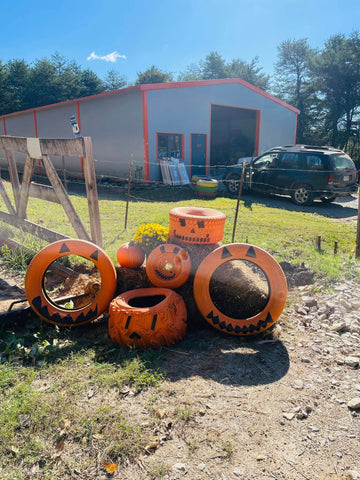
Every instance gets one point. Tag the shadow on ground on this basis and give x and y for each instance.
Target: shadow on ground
(204, 352)
(227, 359)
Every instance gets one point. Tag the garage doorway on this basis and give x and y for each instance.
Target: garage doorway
(234, 134)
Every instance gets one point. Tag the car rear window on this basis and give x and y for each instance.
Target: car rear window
(342, 162)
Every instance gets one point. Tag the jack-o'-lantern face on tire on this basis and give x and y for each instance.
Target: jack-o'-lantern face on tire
(147, 317)
(196, 225)
(168, 266)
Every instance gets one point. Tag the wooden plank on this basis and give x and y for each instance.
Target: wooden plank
(68, 147)
(6, 199)
(14, 176)
(72, 147)
(30, 227)
(44, 192)
(91, 191)
(64, 199)
(14, 144)
(25, 186)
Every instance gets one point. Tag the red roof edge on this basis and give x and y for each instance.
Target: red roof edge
(222, 81)
(163, 86)
(121, 90)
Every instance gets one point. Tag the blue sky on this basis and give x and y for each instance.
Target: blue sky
(170, 34)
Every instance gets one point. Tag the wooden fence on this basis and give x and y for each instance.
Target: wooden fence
(38, 149)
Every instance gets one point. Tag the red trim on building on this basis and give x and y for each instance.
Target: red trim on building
(79, 125)
(35, 124)
(257, 134)
(163, 86)
(36, 135)
(146, 136)
(224, 81)
(208, 163)
(90, 97)
(191, 149)
(78, 114)
(4, 124)
(296, 124)
(171, 133)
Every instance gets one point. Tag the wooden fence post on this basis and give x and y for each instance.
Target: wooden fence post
(238, 199)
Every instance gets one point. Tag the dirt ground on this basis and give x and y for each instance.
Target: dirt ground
(271, 407)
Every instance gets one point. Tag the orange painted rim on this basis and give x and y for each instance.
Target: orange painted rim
(196, 225)
(168, 266)
(44, 307)
(273, 273)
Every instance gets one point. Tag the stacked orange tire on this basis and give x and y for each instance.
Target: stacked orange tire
(50, 311)
(196, 225)
(275, 278)
(147, 317)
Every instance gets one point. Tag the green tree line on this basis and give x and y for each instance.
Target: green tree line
(324, 84)
(53, 80)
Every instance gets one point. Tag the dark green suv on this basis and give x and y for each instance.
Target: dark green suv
(301, 171)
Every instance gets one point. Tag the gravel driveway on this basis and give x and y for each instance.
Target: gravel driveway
(344, 208)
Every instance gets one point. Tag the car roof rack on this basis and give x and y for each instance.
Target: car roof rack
(301, 146)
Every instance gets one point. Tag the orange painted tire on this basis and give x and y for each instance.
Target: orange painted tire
(168, 266)
(44, 307)
(196, 225)
(273, 273)
(147, 317)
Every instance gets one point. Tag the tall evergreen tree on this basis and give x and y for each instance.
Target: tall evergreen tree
(250, 72)
(17, 82)
(90, 83)
(292, 83)
(336, 74)
(213, 67)
(153, 75)
(4, 101)
(114, 81)
(192, 72)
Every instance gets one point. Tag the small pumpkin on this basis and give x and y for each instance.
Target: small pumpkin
(130, 256)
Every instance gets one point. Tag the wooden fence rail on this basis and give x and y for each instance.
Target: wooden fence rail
(38, 149)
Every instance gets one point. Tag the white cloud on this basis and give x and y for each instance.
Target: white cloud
(110, 57)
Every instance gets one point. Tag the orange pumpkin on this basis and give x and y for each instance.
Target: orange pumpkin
(130, 256)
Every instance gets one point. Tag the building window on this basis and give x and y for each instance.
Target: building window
(170, 145)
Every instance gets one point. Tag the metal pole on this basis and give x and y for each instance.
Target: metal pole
(238, 199)
(128, 191)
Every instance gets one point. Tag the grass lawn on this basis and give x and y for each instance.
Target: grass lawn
(49, 427)
(288, 235)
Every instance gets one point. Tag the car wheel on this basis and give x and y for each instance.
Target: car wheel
(302, 195)
(328, 198)
(232, 183)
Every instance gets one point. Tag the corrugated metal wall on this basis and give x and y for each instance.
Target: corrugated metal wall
(187, 110)
(115, 123)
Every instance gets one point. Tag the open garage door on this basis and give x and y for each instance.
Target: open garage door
(233, 135)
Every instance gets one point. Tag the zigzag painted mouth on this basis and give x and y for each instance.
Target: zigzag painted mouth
(163, 276)
(60, 320)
